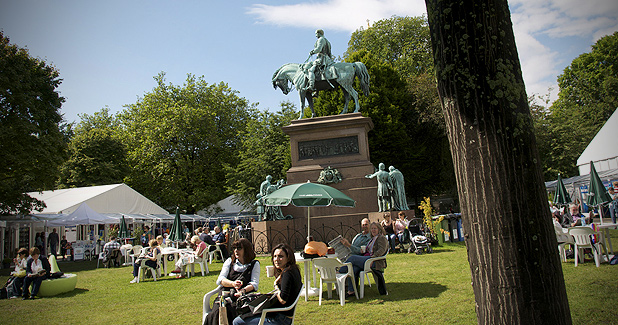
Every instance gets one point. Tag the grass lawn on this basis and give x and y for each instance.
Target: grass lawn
(429, 288)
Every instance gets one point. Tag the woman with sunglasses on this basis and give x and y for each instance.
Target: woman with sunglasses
(240, 274)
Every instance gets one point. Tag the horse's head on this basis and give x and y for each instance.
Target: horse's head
(281, 77)
(283, 84)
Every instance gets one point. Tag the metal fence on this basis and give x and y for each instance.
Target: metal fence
(297, 238)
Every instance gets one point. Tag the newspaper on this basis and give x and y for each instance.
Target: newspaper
(342, 251)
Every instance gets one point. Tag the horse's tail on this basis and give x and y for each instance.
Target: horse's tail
(363, 75)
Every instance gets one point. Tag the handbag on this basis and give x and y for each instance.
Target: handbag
(258, 304)
(265, 301)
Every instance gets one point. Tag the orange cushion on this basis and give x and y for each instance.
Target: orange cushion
(316, 247)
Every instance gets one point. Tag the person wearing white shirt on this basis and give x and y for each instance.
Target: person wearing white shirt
(240, 274)
(36, 272)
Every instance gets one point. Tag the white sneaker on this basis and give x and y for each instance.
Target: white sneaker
(134, 280)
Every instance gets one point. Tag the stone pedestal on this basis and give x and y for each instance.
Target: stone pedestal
(338, 141)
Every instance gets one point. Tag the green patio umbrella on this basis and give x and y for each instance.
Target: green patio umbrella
(597, 194)
(308, 195)
(123, 233)
(562, 196)
(176, 231)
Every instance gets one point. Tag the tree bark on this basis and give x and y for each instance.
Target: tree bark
(512, 250)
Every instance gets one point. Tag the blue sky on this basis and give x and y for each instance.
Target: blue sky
(107, 52)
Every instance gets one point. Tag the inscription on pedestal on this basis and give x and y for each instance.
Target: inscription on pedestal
(328, 147)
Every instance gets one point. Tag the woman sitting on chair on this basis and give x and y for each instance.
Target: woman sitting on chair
(240, 274)
(288, 284)
(197, 254)
(376, 247)
(151, 259)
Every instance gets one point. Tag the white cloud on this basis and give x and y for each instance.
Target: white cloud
(343, 15)
(559, 20)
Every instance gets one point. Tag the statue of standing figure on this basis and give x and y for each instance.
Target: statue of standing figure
(384, 187)
(269, 212)
(398, 196)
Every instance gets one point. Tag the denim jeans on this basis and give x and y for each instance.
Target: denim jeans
(271, 318)
(136, 266)
(358, 264)
(36, 284)
(392, 239)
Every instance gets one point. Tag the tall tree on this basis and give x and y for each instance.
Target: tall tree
(180, 137)
(587, 98)
(516, 273)
(404, 44)
(265, 151)
(31, 142)
(97, 155)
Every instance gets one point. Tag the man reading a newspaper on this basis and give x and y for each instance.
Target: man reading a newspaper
(360, 240)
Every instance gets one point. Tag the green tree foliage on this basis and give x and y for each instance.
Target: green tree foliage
(97, 154)
(403, 42)
(265, 151)
(31, 142)
(180, 137)
(587, 98)
(403, 103)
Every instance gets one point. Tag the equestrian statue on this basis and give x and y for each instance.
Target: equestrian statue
(322, 74)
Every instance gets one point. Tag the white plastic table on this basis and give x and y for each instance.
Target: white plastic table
(309, 290)
(606, 227)
(169, 251)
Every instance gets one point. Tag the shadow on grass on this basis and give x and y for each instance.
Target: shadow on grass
(436, 249)
(76, 292)
(403, 291)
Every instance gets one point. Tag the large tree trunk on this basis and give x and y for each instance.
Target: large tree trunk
(512, 249)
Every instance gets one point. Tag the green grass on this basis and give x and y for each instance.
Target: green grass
(428, 288)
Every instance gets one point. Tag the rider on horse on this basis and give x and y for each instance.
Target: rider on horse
(324, 57)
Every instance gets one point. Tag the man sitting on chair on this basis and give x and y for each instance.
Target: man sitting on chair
(575, 218)
(220, 238)
(107, 251)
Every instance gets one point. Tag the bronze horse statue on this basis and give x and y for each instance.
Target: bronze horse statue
(343, 77)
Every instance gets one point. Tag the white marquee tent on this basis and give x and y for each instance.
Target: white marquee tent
(115, 198)
(603, 149)
(84, 215)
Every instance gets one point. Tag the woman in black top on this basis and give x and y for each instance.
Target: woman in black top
(288, 284)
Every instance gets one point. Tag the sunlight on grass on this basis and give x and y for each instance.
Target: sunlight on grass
(428, 288)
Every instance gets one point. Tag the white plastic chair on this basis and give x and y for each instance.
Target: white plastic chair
(201, 261)
(274, 310)
(563, 239)
(128, 250)
(136, 250)
(154, 271)
(101, 256)
(327, 267)
(365, 273)
(211, 255)
(207, 307)
(582, 237)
